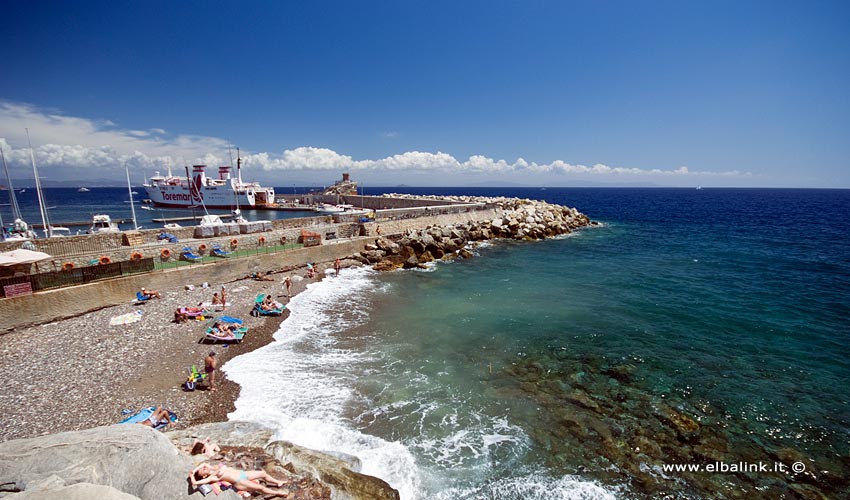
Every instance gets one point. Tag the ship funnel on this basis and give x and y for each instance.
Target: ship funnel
(224, 172)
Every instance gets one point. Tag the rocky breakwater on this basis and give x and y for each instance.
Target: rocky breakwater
(518, 219)
(125, 462)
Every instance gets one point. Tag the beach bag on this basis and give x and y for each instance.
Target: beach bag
(189, 386)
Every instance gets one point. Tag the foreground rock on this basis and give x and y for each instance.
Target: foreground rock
(133, 460)
(125, 462)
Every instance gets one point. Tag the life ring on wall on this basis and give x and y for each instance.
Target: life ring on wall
(103, 260)
(136, 256)
(261, 240)
(67, 266)
(234, 243)
(202, 248)
(165, 253)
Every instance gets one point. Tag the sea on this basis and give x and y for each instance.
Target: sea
(691, 328)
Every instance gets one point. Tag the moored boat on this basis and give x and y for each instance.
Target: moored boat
(103, 224)
(223, 192)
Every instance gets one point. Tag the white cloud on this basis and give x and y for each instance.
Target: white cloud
(66, 142)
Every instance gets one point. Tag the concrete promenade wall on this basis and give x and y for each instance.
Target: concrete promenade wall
(50, 305)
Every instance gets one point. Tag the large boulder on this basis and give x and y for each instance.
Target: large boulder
(345, 483)
(130, 458)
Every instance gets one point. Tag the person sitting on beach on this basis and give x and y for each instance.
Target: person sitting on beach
(245, 480)
(150, 294)
(205, 447)
(217, 300)
(158, 416)
(261, 277)
(311, 270)
(269, 304)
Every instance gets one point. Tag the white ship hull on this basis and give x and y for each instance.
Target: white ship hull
(173, 191)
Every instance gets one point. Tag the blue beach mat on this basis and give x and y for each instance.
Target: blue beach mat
(230, 319)
(144, 414)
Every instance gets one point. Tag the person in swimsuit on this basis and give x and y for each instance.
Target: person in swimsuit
(209, 369)
(206, 447)
(240, 479)
(159, 415)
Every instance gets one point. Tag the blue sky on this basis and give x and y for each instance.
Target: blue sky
(434, 93)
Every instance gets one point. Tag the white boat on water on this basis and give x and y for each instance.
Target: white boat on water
(103, 224)
(223, 192)
(326, 208)
(59, 231)
(83, 190)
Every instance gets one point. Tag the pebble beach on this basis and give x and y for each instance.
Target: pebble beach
(81, 372)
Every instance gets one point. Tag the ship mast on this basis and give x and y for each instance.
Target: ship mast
(236, 212)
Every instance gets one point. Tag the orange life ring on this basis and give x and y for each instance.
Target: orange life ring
(202, 248)
(261, 240)
(104, 260)
(165, 253)
(136, 256)
(67, 266)
(234, 243)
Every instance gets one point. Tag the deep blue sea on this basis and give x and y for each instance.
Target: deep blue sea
(692, 327)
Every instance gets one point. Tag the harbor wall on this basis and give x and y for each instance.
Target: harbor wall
(51, 305)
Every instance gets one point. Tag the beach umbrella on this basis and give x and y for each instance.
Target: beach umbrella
(22, 256)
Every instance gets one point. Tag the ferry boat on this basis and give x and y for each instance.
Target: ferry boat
(223, 192)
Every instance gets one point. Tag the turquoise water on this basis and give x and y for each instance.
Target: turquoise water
(692, 327)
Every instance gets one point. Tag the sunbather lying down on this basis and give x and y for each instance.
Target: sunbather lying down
(205, 447)
(157, 417)
(240, 479)
(220, 329)
(183, 314)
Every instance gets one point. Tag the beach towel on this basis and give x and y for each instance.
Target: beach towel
(145, 413)
(126, 319)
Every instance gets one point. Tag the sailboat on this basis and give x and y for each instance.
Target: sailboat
(19, 230)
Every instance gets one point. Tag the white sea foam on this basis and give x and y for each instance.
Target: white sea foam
(530, 487)
(303, 386)
(300, 384)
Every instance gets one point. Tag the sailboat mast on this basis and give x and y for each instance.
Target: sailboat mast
(236, 190)
(130, 189)
(16, 210)
(238, 167)
(48, 231)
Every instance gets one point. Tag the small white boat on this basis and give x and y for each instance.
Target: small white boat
(327, 208)
(59, 231)
(83, 190)
(103, 224)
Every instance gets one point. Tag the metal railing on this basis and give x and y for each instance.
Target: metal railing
(80, 275)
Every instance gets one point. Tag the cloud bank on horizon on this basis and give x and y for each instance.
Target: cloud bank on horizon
(80, 144)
